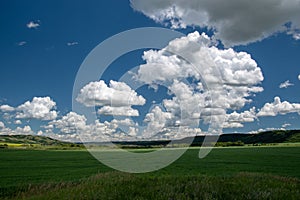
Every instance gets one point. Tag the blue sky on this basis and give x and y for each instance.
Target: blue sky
(43, 44)
(46, 65)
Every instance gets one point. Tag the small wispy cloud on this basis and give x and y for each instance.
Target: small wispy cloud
(286, 125)
(72, 43)
(22, 43)
(285, 84)
(33, 24)
(296, 36)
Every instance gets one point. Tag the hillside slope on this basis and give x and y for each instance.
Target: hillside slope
(276, 136)
(267, 137)
(30, 140)
(280, 136)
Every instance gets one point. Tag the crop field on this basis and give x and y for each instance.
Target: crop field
(226, 173)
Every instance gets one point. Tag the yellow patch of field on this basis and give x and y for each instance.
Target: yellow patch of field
(12, 144)
(17, 144)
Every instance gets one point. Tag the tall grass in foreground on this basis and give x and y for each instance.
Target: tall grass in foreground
(116, 185)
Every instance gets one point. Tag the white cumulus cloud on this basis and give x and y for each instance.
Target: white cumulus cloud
(70, 123)
(234, 22)
(17, 122)
(116, 98)
(237, 120)
(230, 77)
(6, 108)
(118, 111)
(221, 80)
(156, 120)
(277, 107)
(2, 125)
(117, 94)
(41, 108)
(186, 105)
(73, 127)
(26, 130)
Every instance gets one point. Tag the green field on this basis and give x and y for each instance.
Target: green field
(226, 173)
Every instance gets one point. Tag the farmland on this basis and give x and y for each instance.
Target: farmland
(240, 172)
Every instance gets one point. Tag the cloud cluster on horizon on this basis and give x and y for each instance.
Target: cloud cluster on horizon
(234, 22)
(227, 77)
(73, 127)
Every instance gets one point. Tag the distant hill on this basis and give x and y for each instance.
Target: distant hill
(268, 137)
(31, 140)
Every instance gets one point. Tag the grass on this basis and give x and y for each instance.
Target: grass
(226, 173)
(19, 167)
(123, 186)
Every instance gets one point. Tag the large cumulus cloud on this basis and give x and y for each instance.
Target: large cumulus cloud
(222, 79)
(234, 22)
(205, 83)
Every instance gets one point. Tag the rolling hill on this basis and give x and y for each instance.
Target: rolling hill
(31, 140)
(268, 137)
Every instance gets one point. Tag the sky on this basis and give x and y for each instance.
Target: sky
(237, 69)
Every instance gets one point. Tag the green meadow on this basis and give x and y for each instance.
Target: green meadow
(226, 173)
